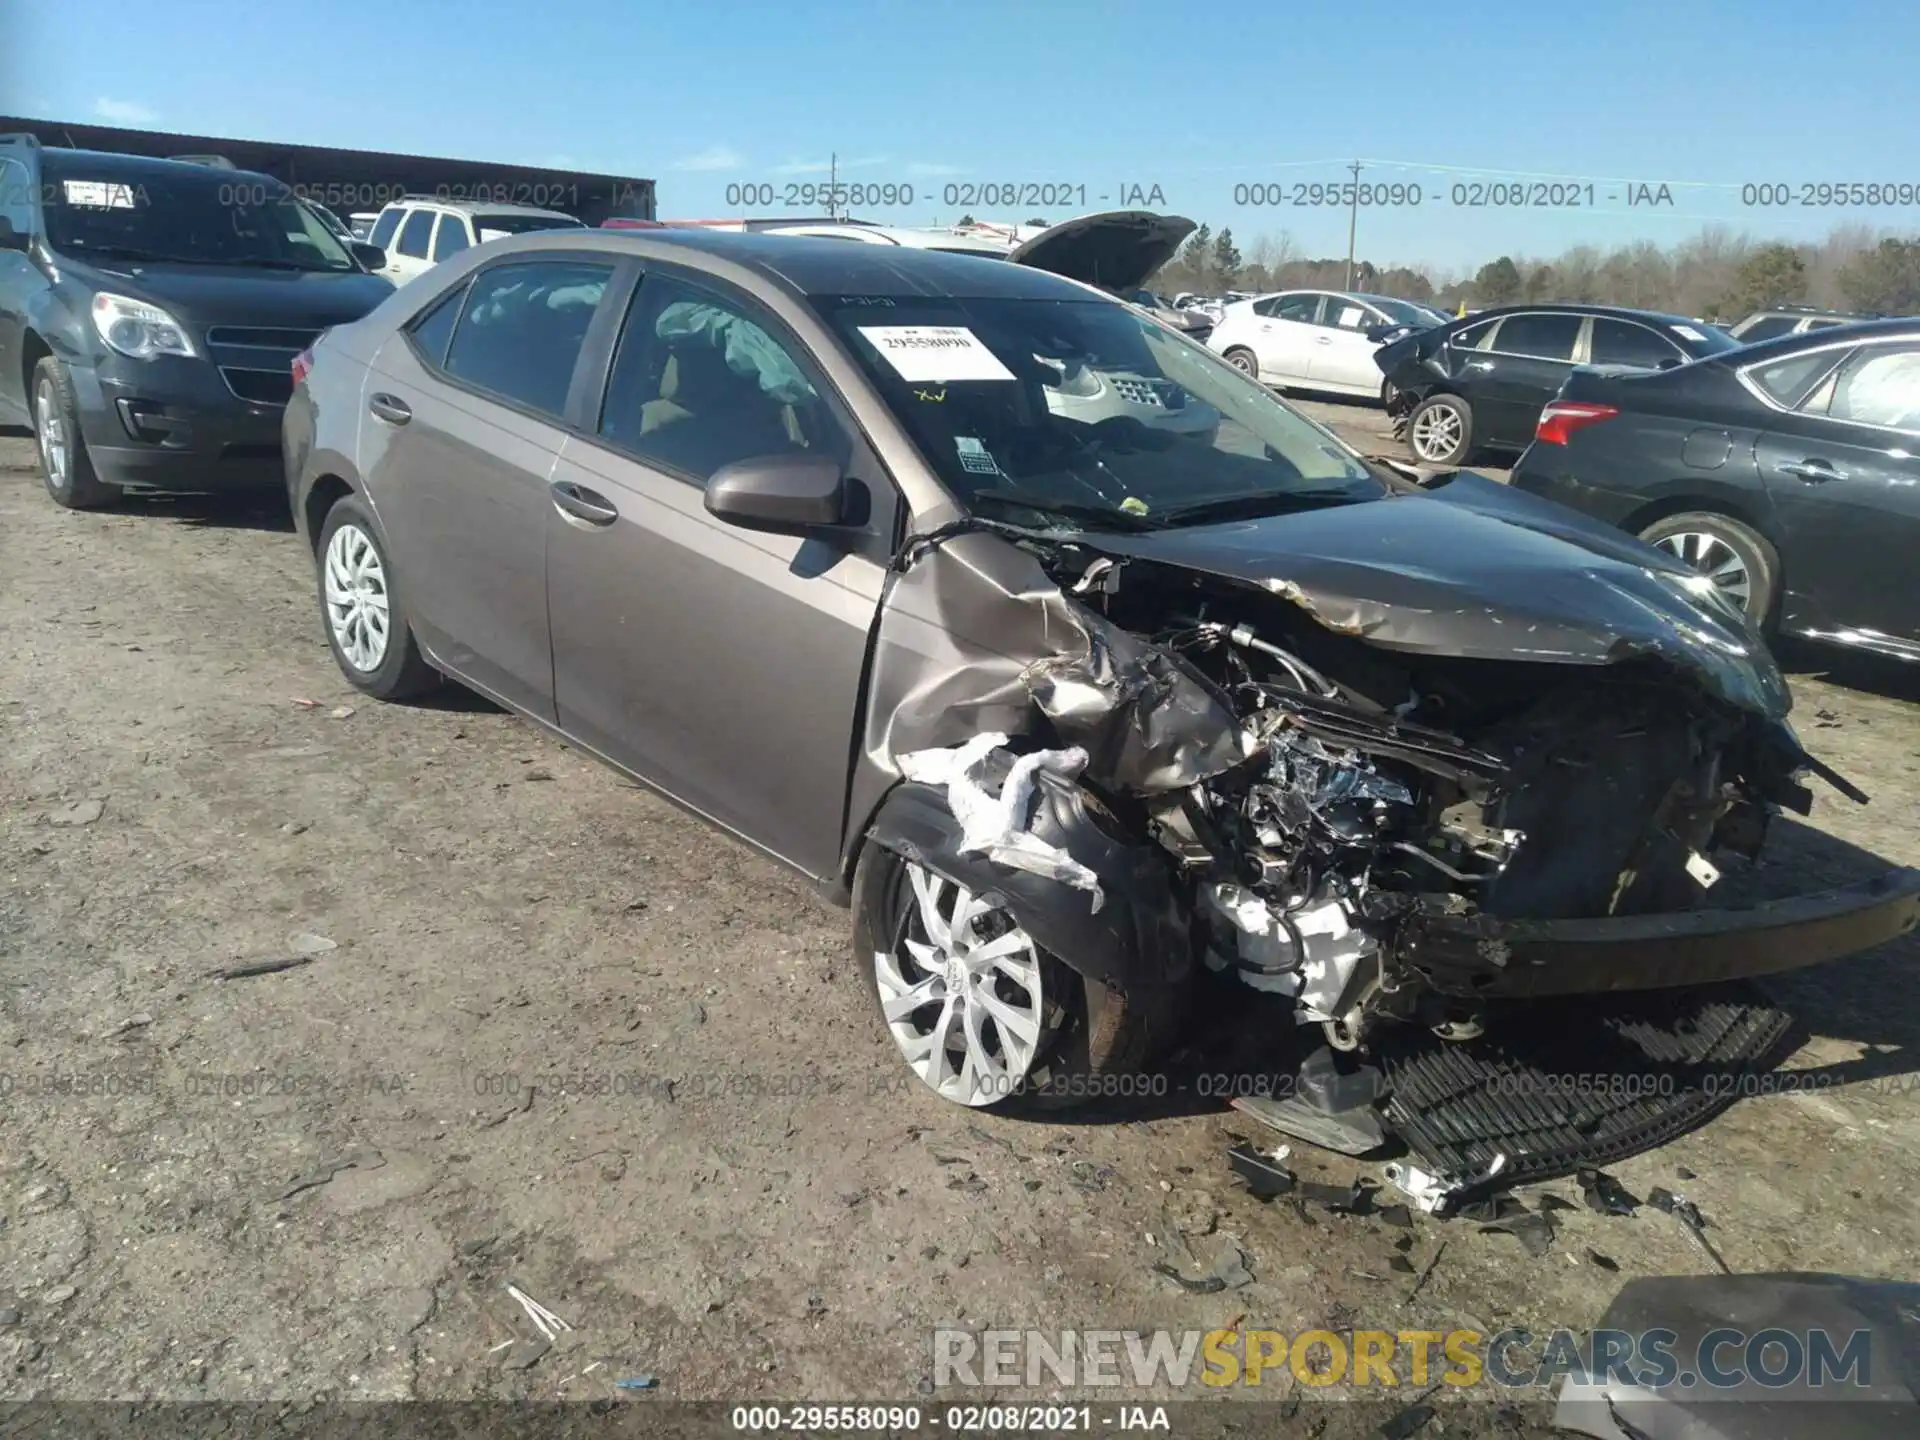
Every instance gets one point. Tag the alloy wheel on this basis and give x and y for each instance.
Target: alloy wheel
(1437, 432)
(50, 427)
(961, 991)
(1715, 559)
(1244, 362)
(359, 607)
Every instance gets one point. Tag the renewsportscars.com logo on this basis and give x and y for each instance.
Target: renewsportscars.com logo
(1726, 1358)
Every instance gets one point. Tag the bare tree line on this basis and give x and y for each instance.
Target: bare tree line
(1718, 273)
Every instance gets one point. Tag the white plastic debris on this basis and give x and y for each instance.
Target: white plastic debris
(994, 825)
(544, 1320)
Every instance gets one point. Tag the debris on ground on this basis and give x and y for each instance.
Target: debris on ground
(1688, 1214)
(1604, 1194)
(1265, 1177)
(638, 1382)
(1227, 1270)
(544, 1320)
(1404, 1424)
(1604, 1262)
(321, 1174)
(306, 704)
(132, 1022)
(1426, 1273)
(303, 943)
(340, 712)
(1532, 1228)
(1088, 1177)
(271, 966)
(81, 812)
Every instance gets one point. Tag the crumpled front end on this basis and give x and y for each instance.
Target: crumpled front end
(1376, 832)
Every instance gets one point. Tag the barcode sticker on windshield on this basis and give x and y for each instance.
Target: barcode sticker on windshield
(935, 352)
(99, 194)
(1687, 332)
(975, 458)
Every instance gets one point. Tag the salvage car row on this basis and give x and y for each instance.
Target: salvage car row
(1102, 674)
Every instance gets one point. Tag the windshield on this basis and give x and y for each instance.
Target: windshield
(192, 214)
(521, 224)
(1037, 410)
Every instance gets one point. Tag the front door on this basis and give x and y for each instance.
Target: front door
(1520, 370)
(463, 427)
(1286, 331)
(1342, 354)
(723, 665)
(1844, 473)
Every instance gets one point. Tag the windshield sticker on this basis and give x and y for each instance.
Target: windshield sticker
(1133, 505)
(935, 352)
(1687, 332)
(974, 457)
(99, 195)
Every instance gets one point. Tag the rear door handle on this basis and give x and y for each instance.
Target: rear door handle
(1814, 472)
(1479, 364)
(579, 503)
(1323, 339)
(390, 408)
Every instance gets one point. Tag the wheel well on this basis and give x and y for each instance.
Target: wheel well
(325, 493)
(32, 350)
(1681, 504)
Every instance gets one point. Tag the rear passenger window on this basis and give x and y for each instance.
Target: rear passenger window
(1880, 387)
(413, 234)
(384, 227)
(1787, 381)
(699, 381)
(1620, 342)
(450, 238)
(1542, 337)
(431, 331)
(522, 329)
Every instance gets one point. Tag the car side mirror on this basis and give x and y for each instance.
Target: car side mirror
(787, 493)
(12, 239)
(371, 257)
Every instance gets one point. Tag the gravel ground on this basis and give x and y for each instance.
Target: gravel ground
(548, 1031)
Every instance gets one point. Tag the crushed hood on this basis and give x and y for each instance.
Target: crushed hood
(1471, 568)
(1115, 249)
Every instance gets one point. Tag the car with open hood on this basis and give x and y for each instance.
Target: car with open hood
(1071, 710)
(150, 311)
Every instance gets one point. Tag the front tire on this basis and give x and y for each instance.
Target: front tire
(1743, 566)
(1440, 430)
(978, 1011)
(65, 467)
(360, 606)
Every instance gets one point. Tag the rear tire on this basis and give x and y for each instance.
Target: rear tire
(1440, 430)
(65, 467)
(1243, 360)
(1737, 559)
(363, 608)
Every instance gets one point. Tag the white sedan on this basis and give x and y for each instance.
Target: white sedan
(1313, 339)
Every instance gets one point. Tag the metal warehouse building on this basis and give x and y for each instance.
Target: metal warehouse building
(350, 180)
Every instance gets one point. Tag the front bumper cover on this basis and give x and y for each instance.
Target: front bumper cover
(1484, 957)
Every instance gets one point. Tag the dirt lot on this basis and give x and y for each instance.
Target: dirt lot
(318, 1181)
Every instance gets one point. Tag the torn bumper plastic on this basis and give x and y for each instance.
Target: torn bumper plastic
(1482, 956)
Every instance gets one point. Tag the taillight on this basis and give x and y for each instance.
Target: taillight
(302, 365)
(1562, 417)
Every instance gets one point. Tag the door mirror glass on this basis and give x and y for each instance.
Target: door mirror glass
(789, 493)
(371, 257)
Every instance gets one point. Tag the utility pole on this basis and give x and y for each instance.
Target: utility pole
(833, 185)
(1353, 219)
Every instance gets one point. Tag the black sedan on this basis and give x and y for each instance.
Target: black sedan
(1479, 382)
(1789, 472)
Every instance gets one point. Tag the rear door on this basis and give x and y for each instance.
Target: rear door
(1520, 369)
(1285, 335)
(1627, 342)
(1342, 354)
(409, 253)
(1843, 469)
(467, 412)
(721, 664)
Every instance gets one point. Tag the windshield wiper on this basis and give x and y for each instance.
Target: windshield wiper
(1252, 507)
(131, 252)
(1094, 517)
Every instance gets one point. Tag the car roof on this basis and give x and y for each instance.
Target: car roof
(474, 207)
(132, 165)
(1854, 333)
(889, 235)
(1619, 312)
(811, 265)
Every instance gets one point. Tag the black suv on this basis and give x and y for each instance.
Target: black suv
(1480, 382)
(150, 313)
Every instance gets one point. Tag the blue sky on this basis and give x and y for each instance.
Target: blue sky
(1197, 99)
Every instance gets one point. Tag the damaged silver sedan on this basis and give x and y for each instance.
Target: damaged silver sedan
(1080, 664)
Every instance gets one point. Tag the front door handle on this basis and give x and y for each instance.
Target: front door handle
(390, 408)
(580, 503)
(1814, 472)
(1323, 339)
(1479, 364)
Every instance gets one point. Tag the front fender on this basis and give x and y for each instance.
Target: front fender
(1141, 938)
